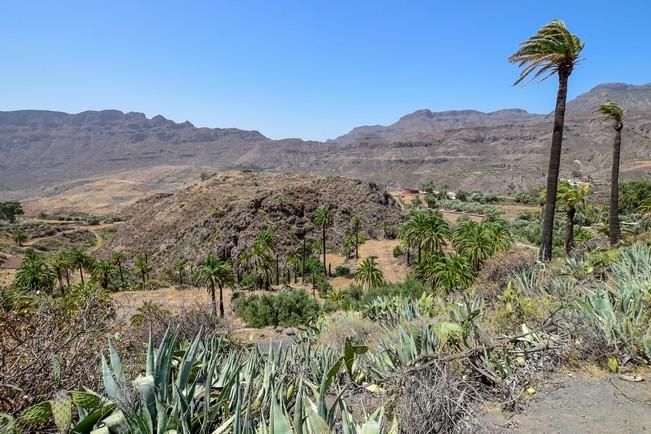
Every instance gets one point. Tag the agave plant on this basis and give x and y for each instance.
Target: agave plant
(207, 386)
(619, 308)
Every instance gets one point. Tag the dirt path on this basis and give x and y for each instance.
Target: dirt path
(580, 402)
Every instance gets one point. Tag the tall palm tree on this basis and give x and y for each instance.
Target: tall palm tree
(323, 219)
(35, 274)
(612, 111)
(215, 273)
(369, 275)
(118, 258)
(19, 236)
(552, 50)
(571, 196)
(102, 272)
(355, 223)
(79, 259)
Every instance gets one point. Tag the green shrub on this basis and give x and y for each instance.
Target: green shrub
(397, 252)
(287, 308)
(342, 271)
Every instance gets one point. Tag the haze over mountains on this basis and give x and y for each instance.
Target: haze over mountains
(506, 150)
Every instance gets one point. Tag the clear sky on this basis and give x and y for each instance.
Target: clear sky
(301, 68)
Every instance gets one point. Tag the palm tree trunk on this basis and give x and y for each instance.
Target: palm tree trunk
(60, 278)
(325, 269)
(81, 274)
(303, 262)
(569, 230)
(614, 232)
(221, 301)
(554, 166)
(121, 272)
(356, 242)
(213, 300)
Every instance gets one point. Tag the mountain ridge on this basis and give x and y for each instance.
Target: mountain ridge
(504, 150)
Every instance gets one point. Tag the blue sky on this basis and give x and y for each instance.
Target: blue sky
(301, 68)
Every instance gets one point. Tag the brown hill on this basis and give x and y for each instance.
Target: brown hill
(503, 151)
(228, 210)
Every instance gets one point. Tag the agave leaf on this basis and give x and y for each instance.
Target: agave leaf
(110, 386)
(116, 364)
(349, 354)
(146, 388)
(86, 424)
(150, 354)
(187, 363)
(298, 409)
(279, 423)
(315, 423)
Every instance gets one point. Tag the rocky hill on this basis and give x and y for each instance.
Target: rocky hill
(228, 210)
(504, 151)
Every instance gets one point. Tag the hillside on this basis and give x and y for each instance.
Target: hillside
(228, 210)
(504, 151)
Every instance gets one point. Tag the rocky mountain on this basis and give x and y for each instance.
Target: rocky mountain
(227, 211)
(504, 151)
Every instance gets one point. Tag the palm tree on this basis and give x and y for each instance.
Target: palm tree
(571, 196)
(369, 274)
(35, 274)
(552, 50)
(79, 259)
(445, 272)
(259, 258)
(293, 263)
(612, 111)
(19, 236)
(355, 223)
(102, 272)
(215, 273)
(118, 258)
(454, 272)
(425, 229)
(479, 241)
(179, 268)
(323, 219)
(142, 265)
(60, 263)
(428, 269)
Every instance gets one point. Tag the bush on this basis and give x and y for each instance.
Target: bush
(501, 268)
(322, 285)
(288, 308)
(342, 271)
(47, 344)
(397, 252)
